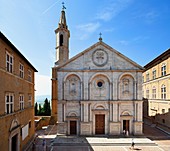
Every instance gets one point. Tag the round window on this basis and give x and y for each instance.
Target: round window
(99, 84)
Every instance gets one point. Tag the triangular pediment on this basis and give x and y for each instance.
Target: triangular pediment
(100, 56)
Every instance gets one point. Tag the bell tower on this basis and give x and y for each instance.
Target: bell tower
(62, 39)
(62, 55)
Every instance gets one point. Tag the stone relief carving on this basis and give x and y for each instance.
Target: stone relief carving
(100, 57)
(73, 88)
(125, 86)
(72, 85)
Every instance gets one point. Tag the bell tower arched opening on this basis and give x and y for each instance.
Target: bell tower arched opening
(61, 40)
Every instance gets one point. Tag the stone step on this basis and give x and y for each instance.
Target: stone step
(103, 144)
(51, 129)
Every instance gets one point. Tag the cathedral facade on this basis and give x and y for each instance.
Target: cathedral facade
(98, 91)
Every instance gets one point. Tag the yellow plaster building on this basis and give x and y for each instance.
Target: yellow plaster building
(156, 89)
(16, 98)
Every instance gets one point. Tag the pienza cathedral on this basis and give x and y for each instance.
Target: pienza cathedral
(98, 91)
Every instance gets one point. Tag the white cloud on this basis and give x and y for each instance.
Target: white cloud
(109, 30)
(113, 9)
(151, 16)
(147, 16)
(42, 85)
(90, 27)
(124, 42)
(87, 29)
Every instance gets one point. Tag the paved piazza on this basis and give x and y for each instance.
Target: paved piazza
(153, 140)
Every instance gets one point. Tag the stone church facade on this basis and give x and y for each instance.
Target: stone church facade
(99, 91)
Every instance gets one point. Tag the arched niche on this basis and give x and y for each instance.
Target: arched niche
(99, 87)
(72, 88)
(126, 87)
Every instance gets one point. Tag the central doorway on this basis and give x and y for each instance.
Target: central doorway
(100, 124)
(14, 142)
(126, 125)
(73, 127)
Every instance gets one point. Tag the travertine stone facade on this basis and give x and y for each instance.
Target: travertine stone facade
(99, 91)
(156, 88)
(16, 98)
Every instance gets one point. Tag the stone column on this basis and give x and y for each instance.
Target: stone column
(85, 112)
(89, 112)
(140, 111)
(63, 95)
(111, 112)
(118, 95)
(64, 111)
(110, 91)
(115, 112)
(81, 90)
(118, 112)
(82, 112)
(89, 91)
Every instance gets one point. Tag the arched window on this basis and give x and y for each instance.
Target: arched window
(153, 93)
(163, 92)
(163, 69)
(61, 40)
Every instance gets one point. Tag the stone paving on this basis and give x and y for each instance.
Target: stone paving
(153, 140)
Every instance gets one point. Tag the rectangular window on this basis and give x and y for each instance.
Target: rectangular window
(163, 92)
(153, 93)
(9, 101)
(9, 62)
(21, 101)
(29, 100)
(147, 77)
(154, 74)
(147, 94)
(21, 70)
(29, 75)
(163, 70)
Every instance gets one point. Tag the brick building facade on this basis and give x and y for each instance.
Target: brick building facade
(16, 98)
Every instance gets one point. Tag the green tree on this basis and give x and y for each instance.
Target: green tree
(40, 110)
(46, 108)
(36, 109)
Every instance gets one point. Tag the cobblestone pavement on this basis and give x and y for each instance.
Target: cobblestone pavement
(153, 140)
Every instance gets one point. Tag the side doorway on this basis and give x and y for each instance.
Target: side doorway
(126, 125)
(73, 127)
(99, 124)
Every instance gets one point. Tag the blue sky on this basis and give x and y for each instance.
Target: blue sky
(137, 28)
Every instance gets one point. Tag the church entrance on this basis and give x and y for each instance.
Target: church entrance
(100, 124)
(14, 142)
(73, 127)
(126, 125)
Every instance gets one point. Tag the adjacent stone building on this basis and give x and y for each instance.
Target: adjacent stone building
(99, 91)
(156, 89)
(16, 98)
